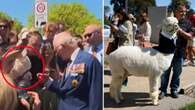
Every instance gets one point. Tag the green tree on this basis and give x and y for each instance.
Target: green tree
(117, 4)
(16, 24)
(107, 10)
(134, 6)
(75, 16)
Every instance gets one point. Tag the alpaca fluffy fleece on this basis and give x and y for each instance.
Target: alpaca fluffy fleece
(21, 67)
(129, 60)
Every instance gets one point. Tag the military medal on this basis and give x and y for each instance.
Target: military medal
(74, 83)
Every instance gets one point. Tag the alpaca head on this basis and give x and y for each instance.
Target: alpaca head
(170, 26)
(17, 64)
(21, 67)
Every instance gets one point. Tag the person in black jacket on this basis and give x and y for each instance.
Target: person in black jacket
(183, 35)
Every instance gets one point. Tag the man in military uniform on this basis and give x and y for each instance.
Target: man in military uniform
(81, 86)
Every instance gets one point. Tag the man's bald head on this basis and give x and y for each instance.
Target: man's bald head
(64, 44)
(93, 34)
(62, 38)
(91, 28)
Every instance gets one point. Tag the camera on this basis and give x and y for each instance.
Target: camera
(23, 93)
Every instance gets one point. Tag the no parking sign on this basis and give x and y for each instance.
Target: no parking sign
(40, 10)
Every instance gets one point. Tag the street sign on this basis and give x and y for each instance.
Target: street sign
(40, 10)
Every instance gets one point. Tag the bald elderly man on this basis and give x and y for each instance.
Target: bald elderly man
(81, 86)
(93, 36)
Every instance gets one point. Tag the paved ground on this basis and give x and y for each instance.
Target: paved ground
(136, 94)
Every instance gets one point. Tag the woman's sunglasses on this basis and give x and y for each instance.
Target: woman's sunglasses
(2, 27)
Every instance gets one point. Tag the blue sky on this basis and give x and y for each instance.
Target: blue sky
(21, 9)
(167, 2)
(158, 2)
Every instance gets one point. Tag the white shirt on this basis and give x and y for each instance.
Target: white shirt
(73, 57)
(145, 30)
(99, 52)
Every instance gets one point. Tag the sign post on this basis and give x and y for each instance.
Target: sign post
(40, 11)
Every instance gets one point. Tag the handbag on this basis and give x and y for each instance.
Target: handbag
(111, 47)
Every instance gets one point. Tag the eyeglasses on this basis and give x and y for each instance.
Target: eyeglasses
(90, 34)
(182, 11)
(2, 27)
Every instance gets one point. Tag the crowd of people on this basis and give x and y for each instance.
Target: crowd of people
(125, 28)
(73, 72)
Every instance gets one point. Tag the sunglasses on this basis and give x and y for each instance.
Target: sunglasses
(90, 34)
(182, 11)
(2, 27)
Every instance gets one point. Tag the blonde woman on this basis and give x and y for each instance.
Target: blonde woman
(8, 95)
(9, 100)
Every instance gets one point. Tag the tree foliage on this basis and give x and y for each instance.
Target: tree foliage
(75, 16)
(134, 6)
(117, 4)
(16, 24)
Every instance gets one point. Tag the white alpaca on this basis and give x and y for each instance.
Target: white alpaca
(17, 65)
(129, 60)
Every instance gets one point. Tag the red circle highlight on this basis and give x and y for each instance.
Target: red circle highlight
(40, 79)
